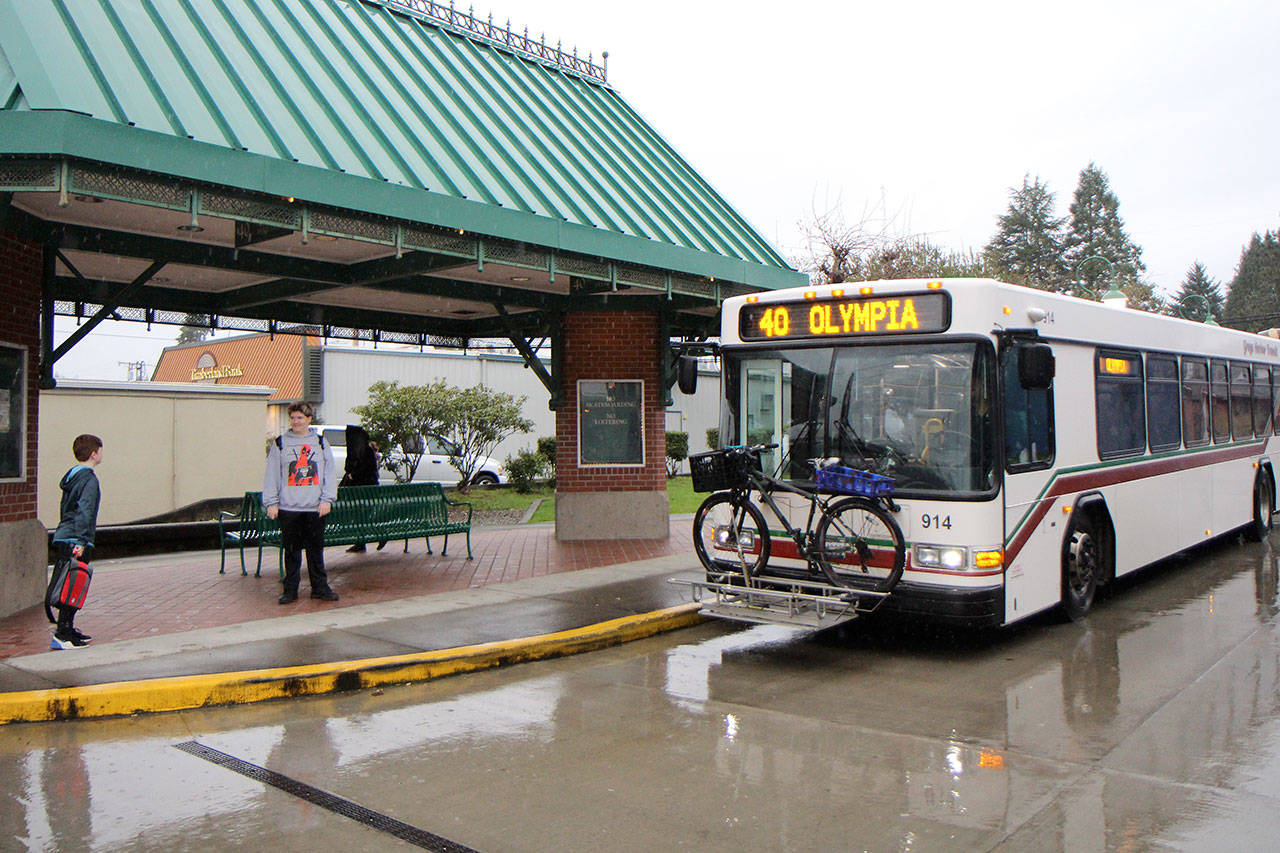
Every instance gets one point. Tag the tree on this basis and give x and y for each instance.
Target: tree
(475, 420)
(1199, 298)
(1253, 302)
(677, 451)
(1028, 245)
(195, 328)
(836, 252)
(1097, 231)
(397, 417)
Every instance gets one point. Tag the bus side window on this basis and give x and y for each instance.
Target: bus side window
(1241, 401)
(1261, 400)
(1195, 401)
(1219, 402)
(1121, 404)
(1163, 422)
(1028, 419)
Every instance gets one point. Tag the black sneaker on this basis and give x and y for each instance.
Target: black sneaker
(288, 598)
(325, 595)
(62, 643)
(76, 632)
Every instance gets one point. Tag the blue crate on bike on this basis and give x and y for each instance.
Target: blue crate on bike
(847, 481)
(717, 470)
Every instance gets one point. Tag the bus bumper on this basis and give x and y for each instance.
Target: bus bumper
(952, 605)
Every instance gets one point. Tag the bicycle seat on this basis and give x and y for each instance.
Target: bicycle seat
(822, 464)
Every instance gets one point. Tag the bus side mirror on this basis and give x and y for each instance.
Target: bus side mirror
(687, 374)
(1035, 366)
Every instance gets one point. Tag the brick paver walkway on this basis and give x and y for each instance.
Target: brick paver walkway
(146, 596)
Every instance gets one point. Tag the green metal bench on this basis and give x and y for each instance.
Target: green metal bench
(360, 514)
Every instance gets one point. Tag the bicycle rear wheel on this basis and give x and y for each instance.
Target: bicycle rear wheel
(859, 543)
(731, 538)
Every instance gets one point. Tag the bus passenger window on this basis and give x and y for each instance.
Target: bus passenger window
(1241, 402)
(1261, 400)
(1195, 402)
(1219, 402)
(1163, 422)
(1121, 415)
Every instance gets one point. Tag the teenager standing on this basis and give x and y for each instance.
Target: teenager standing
(77, 524)
(299, 488)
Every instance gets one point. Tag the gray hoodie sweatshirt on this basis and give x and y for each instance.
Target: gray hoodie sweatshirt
(300, 473)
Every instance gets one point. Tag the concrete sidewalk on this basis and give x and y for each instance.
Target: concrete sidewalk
(185, 627)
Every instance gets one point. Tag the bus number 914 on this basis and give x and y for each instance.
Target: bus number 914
(934, 521)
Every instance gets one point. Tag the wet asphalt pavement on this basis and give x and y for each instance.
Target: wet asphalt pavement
(1154, 724)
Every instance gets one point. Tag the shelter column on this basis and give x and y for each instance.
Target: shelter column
(23, 539)
(611, 429)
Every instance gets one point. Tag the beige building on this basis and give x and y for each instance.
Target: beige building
(165, 445)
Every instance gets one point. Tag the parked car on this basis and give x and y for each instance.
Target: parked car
(434, 466)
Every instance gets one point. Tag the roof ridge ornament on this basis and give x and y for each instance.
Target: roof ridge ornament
(468, 24)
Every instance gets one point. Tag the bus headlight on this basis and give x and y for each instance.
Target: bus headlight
(953, 558)
(940, 557)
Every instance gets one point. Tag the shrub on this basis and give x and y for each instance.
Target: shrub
(547, 447)
(713, 438)
(677, 451)
(525, 467)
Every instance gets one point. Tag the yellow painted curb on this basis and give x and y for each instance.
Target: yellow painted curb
(177, 693)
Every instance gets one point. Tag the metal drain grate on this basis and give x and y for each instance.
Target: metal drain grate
(325, 800)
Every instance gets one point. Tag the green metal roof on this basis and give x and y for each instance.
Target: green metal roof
(369, 106)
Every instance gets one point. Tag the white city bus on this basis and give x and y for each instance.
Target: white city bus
(1042, 445)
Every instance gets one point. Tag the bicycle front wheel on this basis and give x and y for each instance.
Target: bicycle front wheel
(859, 543)
(731, 538)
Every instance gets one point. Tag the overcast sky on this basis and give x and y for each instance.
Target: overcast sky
(932, 110)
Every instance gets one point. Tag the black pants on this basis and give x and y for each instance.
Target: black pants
(303, 531)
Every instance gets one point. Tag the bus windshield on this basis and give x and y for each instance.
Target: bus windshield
(920, 413)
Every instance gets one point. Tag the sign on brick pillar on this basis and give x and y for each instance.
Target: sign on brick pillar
(22, 536)
(611, 478)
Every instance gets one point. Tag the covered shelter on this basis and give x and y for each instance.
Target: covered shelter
(392, 170)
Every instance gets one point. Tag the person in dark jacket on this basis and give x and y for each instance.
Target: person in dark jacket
(77, 524)
(361, 467)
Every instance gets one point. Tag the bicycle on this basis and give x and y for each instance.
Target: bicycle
(857, 544)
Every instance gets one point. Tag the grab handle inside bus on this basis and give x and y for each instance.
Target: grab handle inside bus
(1035, 366)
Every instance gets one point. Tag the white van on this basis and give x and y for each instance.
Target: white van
(434, 466)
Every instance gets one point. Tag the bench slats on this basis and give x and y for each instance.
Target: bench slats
(360, 514)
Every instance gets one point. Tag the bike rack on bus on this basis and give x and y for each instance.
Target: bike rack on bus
(776, 600)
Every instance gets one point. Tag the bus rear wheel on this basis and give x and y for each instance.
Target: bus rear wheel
(1081, 569)
(1264, 506)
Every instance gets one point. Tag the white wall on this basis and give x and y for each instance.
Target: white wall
(165, 445)
(349, 372)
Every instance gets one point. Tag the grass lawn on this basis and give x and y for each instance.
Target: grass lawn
(679, 491)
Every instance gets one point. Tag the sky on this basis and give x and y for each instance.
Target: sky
(928, 113)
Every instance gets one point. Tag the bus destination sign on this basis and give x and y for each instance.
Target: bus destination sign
(850, 317)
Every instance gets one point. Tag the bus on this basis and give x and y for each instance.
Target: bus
(1042, 445)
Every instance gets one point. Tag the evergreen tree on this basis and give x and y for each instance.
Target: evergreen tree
(1096, 230)
(1199, 298)
(1254, 299)
(1027, 248)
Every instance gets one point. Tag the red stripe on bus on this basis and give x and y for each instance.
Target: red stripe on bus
(1098, 478)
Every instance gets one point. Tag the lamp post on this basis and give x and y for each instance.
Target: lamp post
(1113, 296)
(1208, 309)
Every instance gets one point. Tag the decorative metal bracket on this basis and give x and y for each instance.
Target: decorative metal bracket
(550, 379)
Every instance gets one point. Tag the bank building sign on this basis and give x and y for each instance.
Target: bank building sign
(207, 369)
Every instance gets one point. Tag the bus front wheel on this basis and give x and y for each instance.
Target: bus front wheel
(1081, 568)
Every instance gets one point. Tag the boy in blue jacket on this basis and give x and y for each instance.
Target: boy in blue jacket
(77, 524)
(299, 489)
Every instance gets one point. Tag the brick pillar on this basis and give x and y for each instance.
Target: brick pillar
(22, 537)
(611, 501)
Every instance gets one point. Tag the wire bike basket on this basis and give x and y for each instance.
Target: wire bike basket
(718, 470)
(847, 481)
